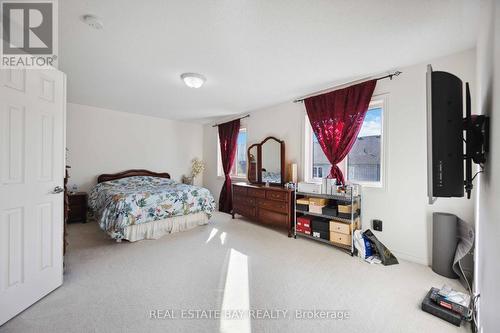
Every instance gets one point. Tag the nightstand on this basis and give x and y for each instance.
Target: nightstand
(77, 207)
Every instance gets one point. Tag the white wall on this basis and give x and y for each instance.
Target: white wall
(284, 121)
(402, 203)
(488, 201)
(107, 141)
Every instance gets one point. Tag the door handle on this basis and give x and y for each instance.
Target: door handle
(58, 189)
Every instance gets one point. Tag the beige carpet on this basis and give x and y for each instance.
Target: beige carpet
(228, 264)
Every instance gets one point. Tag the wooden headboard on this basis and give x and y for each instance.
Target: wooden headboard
(131, 173)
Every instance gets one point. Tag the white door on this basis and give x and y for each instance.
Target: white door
(32, 158)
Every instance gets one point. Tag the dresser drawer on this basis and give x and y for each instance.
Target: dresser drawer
(269, 217)
(240, 190)
(339, 238)
(266, 205)
(243, 200)
(253, 192)
(339, 227)
(276, 195)
(277, 206)
(244, 210)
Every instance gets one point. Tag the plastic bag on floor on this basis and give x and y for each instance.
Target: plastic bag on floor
(383, 252)
(363, 245)
(373, 260)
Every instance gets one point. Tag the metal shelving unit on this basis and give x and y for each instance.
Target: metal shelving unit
(338, 196)
(331, 217)
(349, 199)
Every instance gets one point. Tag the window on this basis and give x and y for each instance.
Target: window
(363, 164)
(240, 161)
(364, 159)
(320, 164)
(317, 172)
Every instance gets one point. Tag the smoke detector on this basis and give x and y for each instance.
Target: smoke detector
(92, 21)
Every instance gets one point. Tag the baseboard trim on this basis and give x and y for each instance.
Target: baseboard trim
(412, 258)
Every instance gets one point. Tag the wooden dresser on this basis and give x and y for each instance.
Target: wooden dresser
(271, 205)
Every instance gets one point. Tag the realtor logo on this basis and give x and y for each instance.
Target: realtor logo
(28, 33)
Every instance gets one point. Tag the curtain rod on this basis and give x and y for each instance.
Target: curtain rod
(247, 116)
(345, 85)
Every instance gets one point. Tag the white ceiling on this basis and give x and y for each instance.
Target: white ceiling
(254, 53)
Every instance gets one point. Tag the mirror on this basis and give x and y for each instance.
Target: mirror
(266, 162)
(271, 162)
(252, 164)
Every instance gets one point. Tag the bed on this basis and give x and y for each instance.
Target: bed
(141, 204)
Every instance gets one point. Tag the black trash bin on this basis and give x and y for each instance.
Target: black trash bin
(444, 243)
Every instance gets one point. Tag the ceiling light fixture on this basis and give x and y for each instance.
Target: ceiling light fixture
(193, 80)
(92, 21)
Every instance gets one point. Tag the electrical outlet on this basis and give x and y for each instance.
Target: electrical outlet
(377, 225)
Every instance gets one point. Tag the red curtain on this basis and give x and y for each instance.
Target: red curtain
(228, 137)
(336, 119)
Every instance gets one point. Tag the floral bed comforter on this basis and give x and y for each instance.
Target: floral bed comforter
(119, 203)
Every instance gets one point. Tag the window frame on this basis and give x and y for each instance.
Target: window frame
(220, 170)
(381, 101)
(318, 170)
(376, 102)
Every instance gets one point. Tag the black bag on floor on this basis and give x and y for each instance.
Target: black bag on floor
(384, 254)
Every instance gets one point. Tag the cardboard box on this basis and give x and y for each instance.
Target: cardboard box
(316, 209)
(303, 204)
(304, 226)
(320, 224)
(303, 208)
(309, 187)
(347, 209)
(329, 210)
(302, 229)
(339, 238)
(307, 232)
(321, 234)
(347, 216)
(318, 201)
(305, 218)
(304, 221)
(339, 227)
(303, 201)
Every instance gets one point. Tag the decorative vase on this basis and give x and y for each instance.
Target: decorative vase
(187, 180)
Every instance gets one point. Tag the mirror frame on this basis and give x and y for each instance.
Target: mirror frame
(259, 161)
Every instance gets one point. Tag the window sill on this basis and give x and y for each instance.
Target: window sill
(368, 184)
(238, 178)
(315, 181)
(362, 184)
